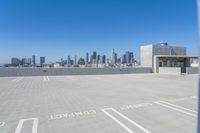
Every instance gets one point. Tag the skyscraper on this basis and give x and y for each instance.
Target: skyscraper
(33, 59)
(42, 60)
(87, 58)
(129, 57)
(98, 58)
(75, 60)
(24, 61)
(104, 59)
(28, 61)
(69, 60)
(15, 61)
(94, 55)
(113, 57)
(123, 60)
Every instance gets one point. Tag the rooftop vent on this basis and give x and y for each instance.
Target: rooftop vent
(164, 44)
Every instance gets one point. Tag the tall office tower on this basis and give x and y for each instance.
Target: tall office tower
(75, 61)
(24, 61)
(94, 57)
(104, 59)
(131, 57)
(69, 60)
(115, 61)
(28, 61)
(119, 60)
(98, 58)
(127, 57)
(33, 59)
(42, 60)
(87, 58)
(113, 57)
(91, 59)
(15, 61)
(81, 61)
(123, 60)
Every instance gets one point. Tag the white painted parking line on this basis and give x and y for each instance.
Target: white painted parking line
(182, 99)
(119, 122)
(46, 78)
(21, 122)
(97, 78)
(180, 107)
(2, 124)
(72, 78)
(194, 97)
(126, 118)
(175, 108)
(16, 80)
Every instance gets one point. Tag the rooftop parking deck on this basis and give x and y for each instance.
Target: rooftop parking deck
(127, 103)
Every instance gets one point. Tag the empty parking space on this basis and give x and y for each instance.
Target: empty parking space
(98, 104)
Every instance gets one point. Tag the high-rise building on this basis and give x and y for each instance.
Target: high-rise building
(123, 60)
(87, 58)
(81, 61)
(28, 61)
(69, 60)
(129, 57)
(42, 60)
(24, 61)
(75, 60)
(94, 58)
(98, 58)
(33, 60)
(94, 55)
(113, 56)
(104, 59)
(15, 61)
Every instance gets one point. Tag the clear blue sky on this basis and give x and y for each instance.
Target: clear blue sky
(58, 28)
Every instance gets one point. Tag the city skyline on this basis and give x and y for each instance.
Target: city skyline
(89, 58)
(59, 29)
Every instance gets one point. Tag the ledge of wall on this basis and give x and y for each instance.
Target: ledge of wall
(170, 70)
(11, 72)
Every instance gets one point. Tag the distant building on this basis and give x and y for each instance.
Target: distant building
(87, 58)
(75, 60)
(24, 61)
(81, 61)
(103, 59)
(33, 60)
(123, 59)
(129, 57)
(68, 60)
(42, 60)
(113, 57)
(94, 57)
(28, 61)
(15, 61)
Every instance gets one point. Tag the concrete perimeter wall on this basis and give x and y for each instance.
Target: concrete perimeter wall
(10, 72)
(192, 70)
(170, 70)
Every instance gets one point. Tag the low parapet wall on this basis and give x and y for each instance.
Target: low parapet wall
(192, 70)
(10, 72)
(170, 70)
